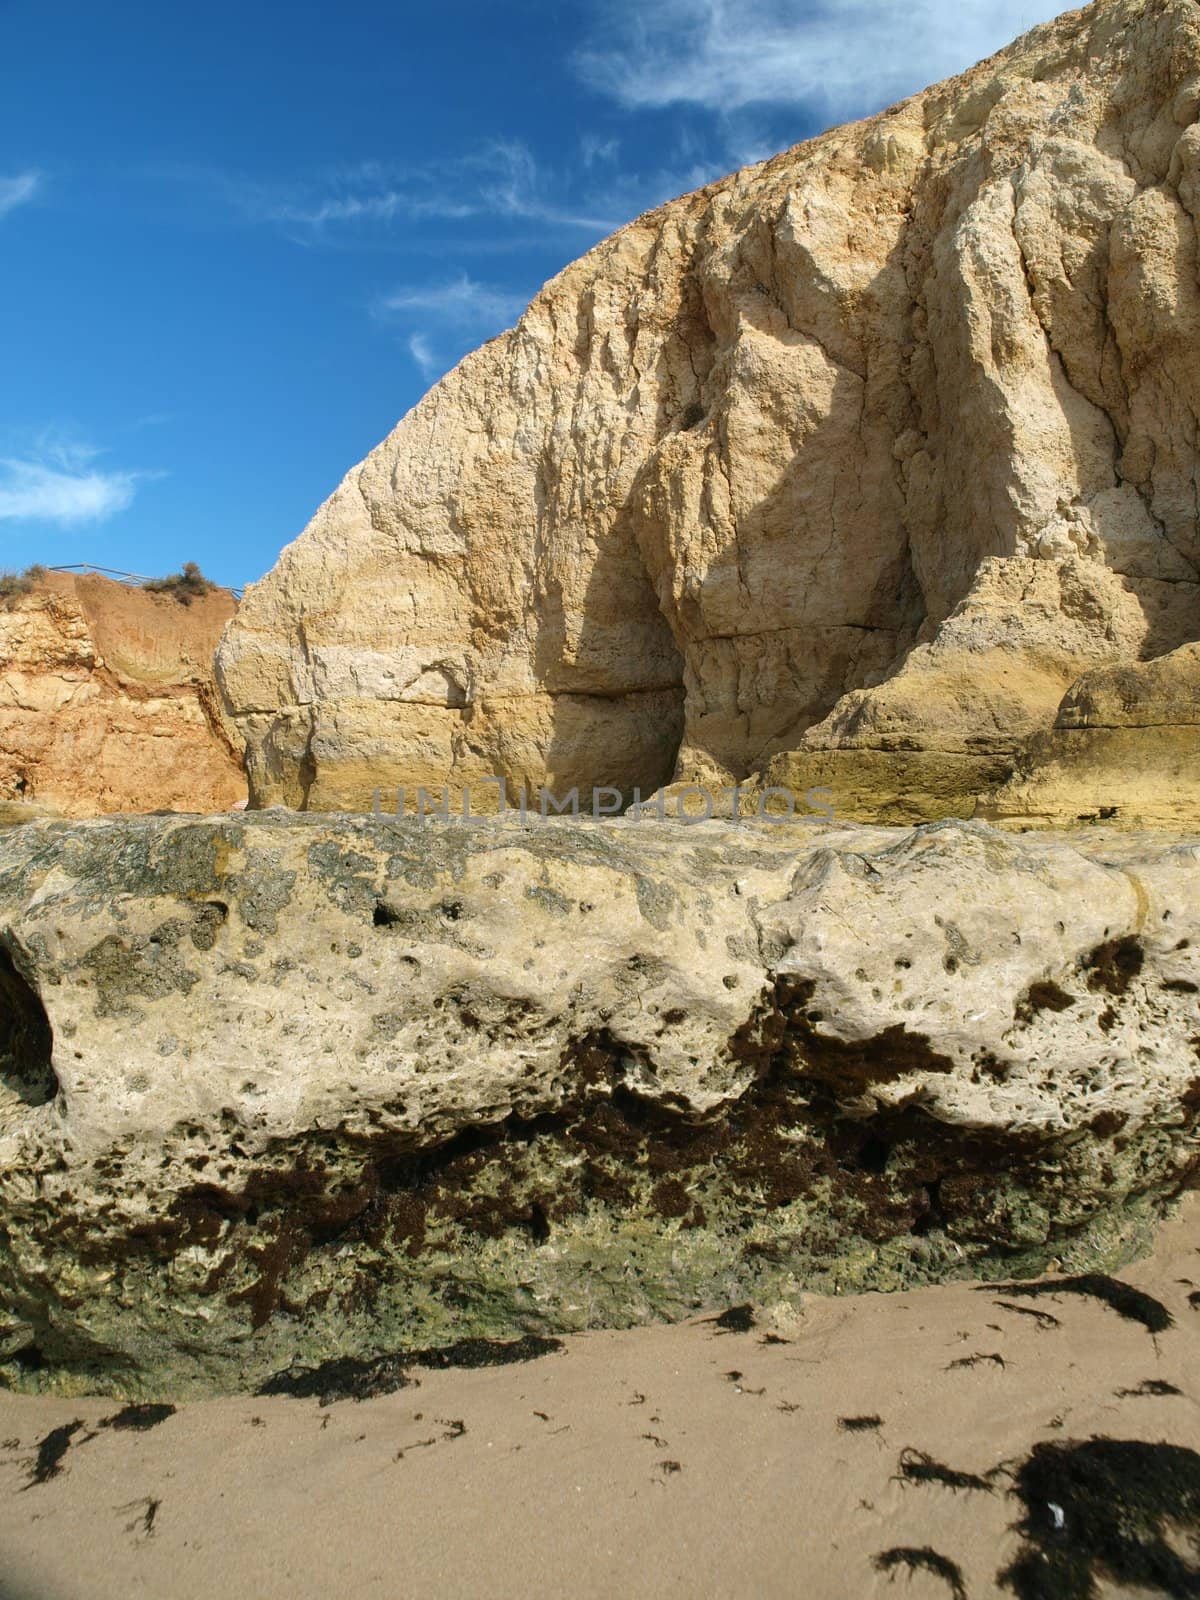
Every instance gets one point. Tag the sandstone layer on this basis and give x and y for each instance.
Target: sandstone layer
(1126, 740)
(856, 462)
(278, 1088)
(107, 701)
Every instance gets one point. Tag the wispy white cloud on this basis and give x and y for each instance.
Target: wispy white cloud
(595, 151)
(627, 194)
(440, 321)
(421, 351)
(461, 301)
(360, 199)
(844, 57)
(520, 189)
(500, 181)
(496, 198)
(16, 191)
(58, 481)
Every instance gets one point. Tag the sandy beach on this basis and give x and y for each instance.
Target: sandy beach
(660, 1461)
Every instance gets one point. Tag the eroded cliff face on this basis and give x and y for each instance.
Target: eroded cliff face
(485, 1081)
(858, 460)
(107, 701)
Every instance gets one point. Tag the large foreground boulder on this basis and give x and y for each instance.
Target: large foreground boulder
(855, 462)
(280, 1088)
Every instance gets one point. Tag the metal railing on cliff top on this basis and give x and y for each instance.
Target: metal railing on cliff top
(133, 580)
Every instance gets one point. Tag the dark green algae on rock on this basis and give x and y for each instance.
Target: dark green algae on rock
(282, 1089)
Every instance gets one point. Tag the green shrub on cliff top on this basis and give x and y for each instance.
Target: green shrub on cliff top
(185, 586)
(15, 584)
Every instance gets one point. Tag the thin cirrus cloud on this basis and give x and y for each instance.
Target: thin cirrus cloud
(441, 320)
(842, 57)
(513, 199)
(501, 181)
(16, 191)
(422, 352)
(462, 302)
(501, 197)
(60, 483)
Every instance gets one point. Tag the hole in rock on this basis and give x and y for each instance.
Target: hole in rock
(26, 1040)
(539, 1223)
(208, 918)
(873, 1155)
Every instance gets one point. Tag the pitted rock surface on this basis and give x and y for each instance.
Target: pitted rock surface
(280, 1087)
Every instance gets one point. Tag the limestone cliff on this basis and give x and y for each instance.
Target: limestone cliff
(107, 700)
(856, 461)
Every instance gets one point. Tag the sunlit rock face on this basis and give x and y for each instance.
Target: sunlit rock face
(1125, 743)
(857, 461)
(280, 1088)
(107, 701)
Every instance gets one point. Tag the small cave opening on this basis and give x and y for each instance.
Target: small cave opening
(26, 1040)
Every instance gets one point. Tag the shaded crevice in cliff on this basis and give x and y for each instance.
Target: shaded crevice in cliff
(27, 1076)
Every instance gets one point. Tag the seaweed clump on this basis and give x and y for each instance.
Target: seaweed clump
(1045, 996)
(1149, 1386)
(137, 1418)
(486, 1352)
(1112, 967)
(1126, 1301)
(917, 1467)
(738, 1319)
(1114, 1509)
(923, 1559)
(348, 1378)
(343, 1378)
(51, 1450)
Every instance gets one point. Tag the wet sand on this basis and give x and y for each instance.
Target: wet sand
(657, 1462)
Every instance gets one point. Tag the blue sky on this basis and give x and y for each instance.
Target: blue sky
(239, 241)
